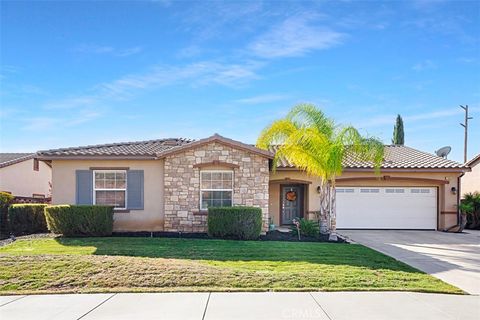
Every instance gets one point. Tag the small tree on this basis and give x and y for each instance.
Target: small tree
(398, 134)
(314, 144)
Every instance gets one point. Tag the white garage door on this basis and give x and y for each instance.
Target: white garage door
(386, 208)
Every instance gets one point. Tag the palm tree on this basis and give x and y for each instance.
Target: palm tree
(314, 144)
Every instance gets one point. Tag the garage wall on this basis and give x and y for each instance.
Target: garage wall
(447, 200)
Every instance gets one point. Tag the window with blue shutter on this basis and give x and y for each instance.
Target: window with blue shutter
(123, 189)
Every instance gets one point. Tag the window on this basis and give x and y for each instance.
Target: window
(216, 189)
(36, 166)
(420, 191)
(38, 196)
(369, 190)
(394, 190)
(110, 188)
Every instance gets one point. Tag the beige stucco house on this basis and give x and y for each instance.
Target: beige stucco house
(471, 180)
(24, 176)
(168, 184)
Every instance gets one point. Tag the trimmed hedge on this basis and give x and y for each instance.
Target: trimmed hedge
(5, 200)
(235, 222)
(83, 220)
(27, 218)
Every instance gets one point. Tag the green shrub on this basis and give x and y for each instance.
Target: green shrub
(235, 222)
(308, 228)
(27, 218)
(82, 220)
(470, 205)
(5, 200)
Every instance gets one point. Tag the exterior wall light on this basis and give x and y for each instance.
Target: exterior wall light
(453, 190)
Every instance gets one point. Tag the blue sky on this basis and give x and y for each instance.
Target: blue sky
(76, 73)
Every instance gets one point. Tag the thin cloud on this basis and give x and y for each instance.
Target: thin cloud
(425, 65)
(195, 75)
(71, 103)
(266, 98)
(296, 36)
(49, 123)
(383, 120)
(101, 50)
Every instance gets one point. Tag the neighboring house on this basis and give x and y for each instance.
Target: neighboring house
(470, 182)
(167, 185)
(24, 176)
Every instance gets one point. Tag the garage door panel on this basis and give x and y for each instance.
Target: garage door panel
(386, 208)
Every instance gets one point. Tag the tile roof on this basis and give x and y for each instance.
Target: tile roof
(7, 159)
(473, 161)
(151, 149)
(396, 157)
(218, 138)
(136, 149)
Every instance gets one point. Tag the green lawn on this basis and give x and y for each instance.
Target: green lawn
(160, 264)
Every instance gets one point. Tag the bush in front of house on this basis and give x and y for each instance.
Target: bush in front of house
(82, 220)
(27, 218)
(243, 223)
(5, 200)
(308, 228)
(470, 205)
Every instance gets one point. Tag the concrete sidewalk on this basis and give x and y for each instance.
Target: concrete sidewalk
(267, 305)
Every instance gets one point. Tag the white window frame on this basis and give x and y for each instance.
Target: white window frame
(215, 171)
(105, 189)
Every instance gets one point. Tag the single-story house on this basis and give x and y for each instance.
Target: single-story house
(22, 175)
(471, 180)
(168, 184)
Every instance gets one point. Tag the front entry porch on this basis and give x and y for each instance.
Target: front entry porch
(288, 200)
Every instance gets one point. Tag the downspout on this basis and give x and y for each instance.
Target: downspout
(459, 193)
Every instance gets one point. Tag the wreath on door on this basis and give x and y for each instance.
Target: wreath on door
(291, 195)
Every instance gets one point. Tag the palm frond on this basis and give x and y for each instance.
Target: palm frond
(308, 115)
(276, 133)
(311, 141)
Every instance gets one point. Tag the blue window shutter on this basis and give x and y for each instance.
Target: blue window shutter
(84, 187)
(135, 189)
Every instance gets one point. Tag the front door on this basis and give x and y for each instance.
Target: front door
(291, 203)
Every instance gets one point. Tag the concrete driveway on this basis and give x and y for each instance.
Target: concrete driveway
(451, 257)
(245, 305)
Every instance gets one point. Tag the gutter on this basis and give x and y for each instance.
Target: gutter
(114, 157)
(459, 195)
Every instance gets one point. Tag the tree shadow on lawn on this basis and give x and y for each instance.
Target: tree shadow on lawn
(240, 251)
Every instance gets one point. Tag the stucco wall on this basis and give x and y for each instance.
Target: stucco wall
(447, 200)
(21, 180)
(149, 219)
(471, 180)
(182, 184)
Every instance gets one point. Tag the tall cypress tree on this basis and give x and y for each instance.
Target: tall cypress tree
(398, 135)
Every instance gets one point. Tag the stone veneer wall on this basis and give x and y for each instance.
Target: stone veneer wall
(182, 184)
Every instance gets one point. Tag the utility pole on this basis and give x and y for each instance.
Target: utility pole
(465, 125)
